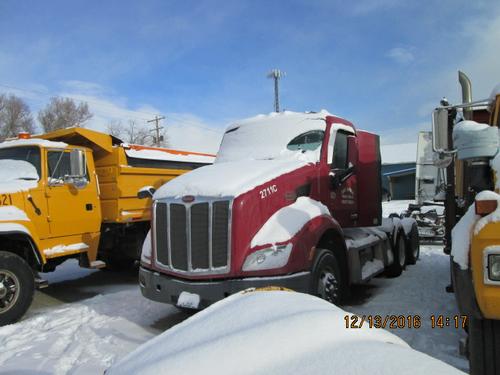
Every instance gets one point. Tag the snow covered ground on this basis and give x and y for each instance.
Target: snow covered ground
(86, 320)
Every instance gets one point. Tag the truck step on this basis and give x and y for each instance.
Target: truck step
(41, 283)
(97, 264)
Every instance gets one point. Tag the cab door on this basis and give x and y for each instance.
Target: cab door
(72, 210)
(343, 200)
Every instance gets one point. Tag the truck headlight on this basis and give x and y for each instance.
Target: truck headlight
(494, 267)
(269, 258)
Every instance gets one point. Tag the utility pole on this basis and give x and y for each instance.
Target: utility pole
(276, 74)
(157, 128)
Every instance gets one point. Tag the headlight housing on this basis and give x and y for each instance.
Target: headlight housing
(146, 249)
(268, 258)
(494, 267)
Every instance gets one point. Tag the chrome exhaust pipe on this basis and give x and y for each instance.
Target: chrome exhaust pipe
(466, 93)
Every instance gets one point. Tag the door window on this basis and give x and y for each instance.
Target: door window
(309, 141)
(59, 164)
(340, 151)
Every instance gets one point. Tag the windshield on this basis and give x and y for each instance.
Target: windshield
(282, 136)
(30, 154)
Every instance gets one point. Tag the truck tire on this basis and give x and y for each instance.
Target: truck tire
(484, 346)
(17, 286)
(412, 245)
(397, 267)
(326, 278)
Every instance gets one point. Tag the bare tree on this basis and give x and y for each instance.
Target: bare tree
(63, 113)
(115, 128)
(15, 117)
(137, 134)
(134, 133)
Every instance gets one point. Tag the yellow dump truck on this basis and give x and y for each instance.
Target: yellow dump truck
(466, 138)
(75, 193)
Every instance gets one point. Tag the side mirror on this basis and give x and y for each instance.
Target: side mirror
(335, 180)
(77, 163)
(440, 131)
(146, 192)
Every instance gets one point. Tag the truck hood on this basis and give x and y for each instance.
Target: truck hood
(17, 176)
(228, 179)
(17, 186)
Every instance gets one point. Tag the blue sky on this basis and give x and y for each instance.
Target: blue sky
(383, 64)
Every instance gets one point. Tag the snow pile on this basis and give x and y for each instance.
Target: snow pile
(33, 142)
(226, 179)
(288, 221)
(169, 155)
(13, 227)
(357, 239)
(400, 153)
(493, 217)
(82, 337)
(460, 238)
(470, 126)
(275, 332)
(17, 175)
(475, 140)
(188, 300)
(60, 249)
(12, 213)
(419, 291)
(11, 170)
(267, 136)
(461, 233)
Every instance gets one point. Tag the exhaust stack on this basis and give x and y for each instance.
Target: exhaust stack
(466, 93)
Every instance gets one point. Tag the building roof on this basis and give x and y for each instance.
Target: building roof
(400, 153)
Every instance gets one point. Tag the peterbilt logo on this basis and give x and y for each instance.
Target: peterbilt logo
(188, 198)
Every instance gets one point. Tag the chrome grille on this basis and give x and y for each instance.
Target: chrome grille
(193, 238)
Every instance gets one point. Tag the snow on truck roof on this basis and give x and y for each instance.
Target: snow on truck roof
(33, 142)
(156, 153)
(267, 136)
(275, 332)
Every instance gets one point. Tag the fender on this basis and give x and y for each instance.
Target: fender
(321, 230)
(24, 230)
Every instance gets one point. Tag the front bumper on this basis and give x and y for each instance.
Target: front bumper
(166, 289)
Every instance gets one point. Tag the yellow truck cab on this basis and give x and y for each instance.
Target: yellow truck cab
(466, 139)
(74, 193)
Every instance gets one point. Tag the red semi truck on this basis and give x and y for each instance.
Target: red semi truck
(293, 200)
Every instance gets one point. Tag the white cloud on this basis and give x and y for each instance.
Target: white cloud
(401, 55)
(408, 134)
(185, 131)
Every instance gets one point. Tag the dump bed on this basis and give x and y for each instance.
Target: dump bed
(123, 169)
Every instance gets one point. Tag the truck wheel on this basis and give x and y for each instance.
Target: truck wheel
(413, 245)
(327, 279)
(17, 285)
(484, 346)
(397, 267)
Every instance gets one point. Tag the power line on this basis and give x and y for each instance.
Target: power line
(157, 128)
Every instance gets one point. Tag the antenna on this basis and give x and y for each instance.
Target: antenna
(276, 74)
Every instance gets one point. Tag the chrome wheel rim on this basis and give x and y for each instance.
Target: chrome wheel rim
(9, 290)
(328, 286)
